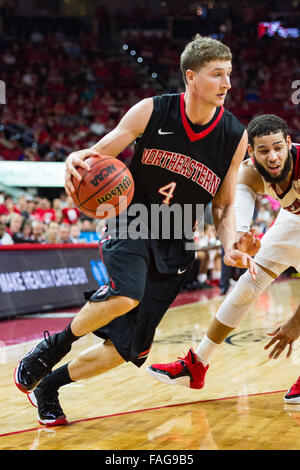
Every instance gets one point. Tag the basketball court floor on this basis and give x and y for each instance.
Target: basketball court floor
(240, 408)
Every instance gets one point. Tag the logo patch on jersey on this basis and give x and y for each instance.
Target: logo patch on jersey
(181, 271)
(183, 165)
(160, 132)
(294, 207)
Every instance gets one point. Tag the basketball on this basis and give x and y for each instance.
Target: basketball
(105, 190)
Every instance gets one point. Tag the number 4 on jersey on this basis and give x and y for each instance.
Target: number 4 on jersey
(168, 191)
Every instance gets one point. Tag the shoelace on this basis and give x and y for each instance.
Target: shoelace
(46, 351)
(182, 360)
(187, 358)
(47, 337)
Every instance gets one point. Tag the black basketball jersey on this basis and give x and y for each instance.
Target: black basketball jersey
(176, 162)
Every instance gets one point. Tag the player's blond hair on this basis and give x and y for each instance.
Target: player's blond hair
(200, 51)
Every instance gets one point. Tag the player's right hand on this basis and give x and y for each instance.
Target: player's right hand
(76, 159)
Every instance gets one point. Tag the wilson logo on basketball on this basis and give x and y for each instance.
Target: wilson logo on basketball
(117, 191)
(102, 175)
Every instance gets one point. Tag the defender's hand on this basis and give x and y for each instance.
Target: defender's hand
(284, 335)
(238, 259)
(249, 243)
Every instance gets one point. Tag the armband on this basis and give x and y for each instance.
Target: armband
(244, 205)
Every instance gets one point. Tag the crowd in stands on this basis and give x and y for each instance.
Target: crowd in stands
(65, 91)
(62, 97)
(38, 220)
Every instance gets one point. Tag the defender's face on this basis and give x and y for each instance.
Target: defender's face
(272, 156)
(211, 82)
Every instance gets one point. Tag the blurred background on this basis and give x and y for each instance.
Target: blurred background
(70, 69)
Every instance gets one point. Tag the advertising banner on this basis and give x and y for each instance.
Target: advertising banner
(36, 174)
(37, 278)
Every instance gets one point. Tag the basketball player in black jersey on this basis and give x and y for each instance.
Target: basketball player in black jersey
(188, 152)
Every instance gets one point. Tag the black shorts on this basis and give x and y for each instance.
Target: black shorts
(133, 269)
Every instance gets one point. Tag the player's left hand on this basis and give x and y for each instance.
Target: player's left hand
(249, 243)
(284, 335)
(238, 259)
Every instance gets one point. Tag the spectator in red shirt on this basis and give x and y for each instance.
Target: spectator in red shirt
(70, 213)
(8, 207)
(44, 212)
(31, 207)
(3, 207)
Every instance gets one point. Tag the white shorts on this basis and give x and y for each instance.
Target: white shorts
(280, 246)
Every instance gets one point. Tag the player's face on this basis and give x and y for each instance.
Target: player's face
(211, 82)
(272, 157)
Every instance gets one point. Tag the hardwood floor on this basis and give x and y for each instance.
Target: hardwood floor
(241, 406)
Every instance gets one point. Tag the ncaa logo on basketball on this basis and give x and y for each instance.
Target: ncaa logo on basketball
(104, 173)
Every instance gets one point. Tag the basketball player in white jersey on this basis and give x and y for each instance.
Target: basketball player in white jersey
(273, 168)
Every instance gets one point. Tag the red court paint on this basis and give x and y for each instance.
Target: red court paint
(147, 409)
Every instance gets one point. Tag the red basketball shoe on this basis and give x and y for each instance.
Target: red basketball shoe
(293, 395)
(186, 371)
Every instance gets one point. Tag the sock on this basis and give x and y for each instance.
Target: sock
(66, 337)
(205, 350)
(57, 378)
